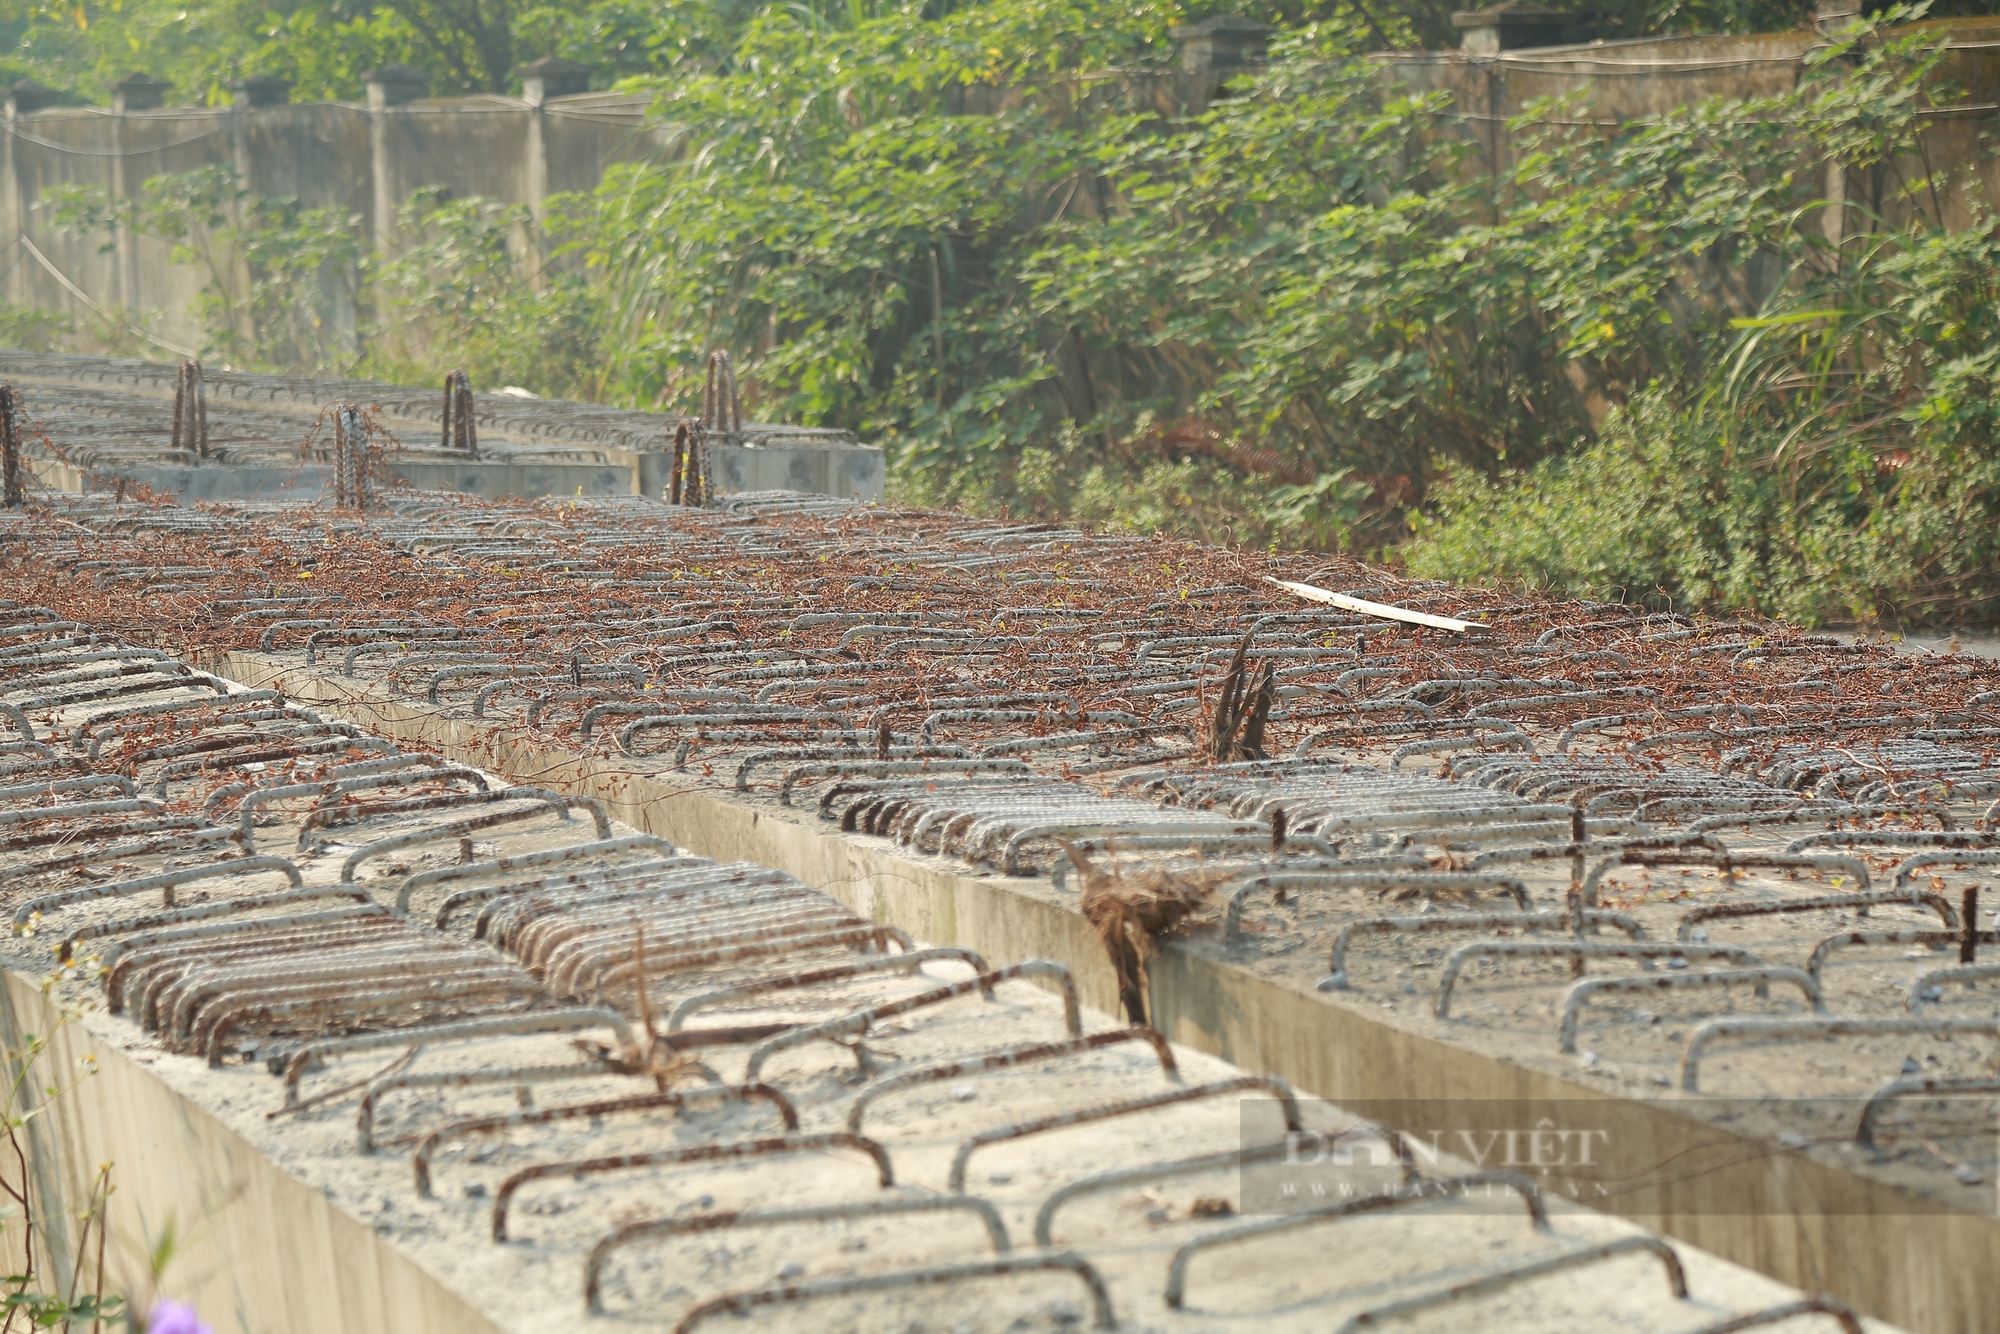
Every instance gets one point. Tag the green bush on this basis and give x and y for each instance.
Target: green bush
(467, 295)
(1652, 511)
(33, 330)
(284, 287)
(1833, 457)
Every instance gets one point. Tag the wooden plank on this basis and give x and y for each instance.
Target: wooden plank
(1367, 608)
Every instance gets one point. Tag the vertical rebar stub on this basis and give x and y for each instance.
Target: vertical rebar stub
(13, 491)
(687, 479)
(461, 430)
(721, 401)
(190, 410)
(350, 457)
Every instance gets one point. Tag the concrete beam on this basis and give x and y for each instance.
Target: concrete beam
(254, 1248)
(1887, 1250)
(851, 474)
(530, 481)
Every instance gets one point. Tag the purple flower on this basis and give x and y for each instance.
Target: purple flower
(174, 1318)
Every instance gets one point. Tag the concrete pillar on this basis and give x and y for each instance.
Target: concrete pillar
(12, 213)
(390, 87)
(134, 92)
(551, 76)
(138, 92)
(257, 91)
(261, 90)
(27, 96)
(1217, 49)
(251, 94)
(382, 214)
(1830, 17)
(23, 98)
(1513, 25)
(1833, 221)
(537, 187)
(395, 86)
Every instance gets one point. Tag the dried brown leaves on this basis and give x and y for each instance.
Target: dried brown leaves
(1130, 912)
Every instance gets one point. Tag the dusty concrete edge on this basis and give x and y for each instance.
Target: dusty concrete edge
(256, 1250)
(1800, 1221)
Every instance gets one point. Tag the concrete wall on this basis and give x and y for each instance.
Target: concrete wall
(1626, 81)
(490, 479)
(852, 474)
(330, 154)
(256, 1250)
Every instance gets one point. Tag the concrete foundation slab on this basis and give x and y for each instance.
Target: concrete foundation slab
(1791, 1215)
(310, 483)
(114, 419)
(256, 1249)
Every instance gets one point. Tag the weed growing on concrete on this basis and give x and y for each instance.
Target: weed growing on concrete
(37, 1295)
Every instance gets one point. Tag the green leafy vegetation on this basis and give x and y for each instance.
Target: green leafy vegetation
(1836, 463)
(38, 1295)
(32, 330)
(468, 291)
(283, 285)
(324, 47)
(1831, 455)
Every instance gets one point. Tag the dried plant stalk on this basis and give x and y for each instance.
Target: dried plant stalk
(1235, 731)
